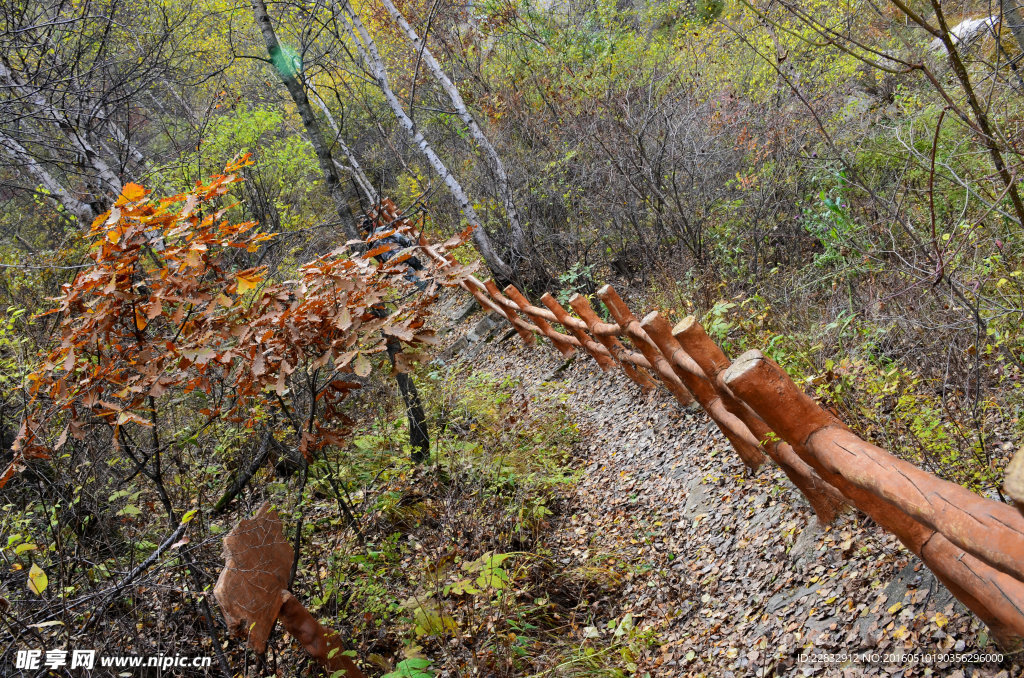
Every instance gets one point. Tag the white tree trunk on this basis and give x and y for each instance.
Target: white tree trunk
(56, 191)
(353, 167)
(368, 51)
(92, 158)
(309, 121)
(490, 153)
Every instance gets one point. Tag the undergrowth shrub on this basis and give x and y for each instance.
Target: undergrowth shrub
(458, 568)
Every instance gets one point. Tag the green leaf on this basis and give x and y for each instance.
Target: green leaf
(414, 667)
(460, 587)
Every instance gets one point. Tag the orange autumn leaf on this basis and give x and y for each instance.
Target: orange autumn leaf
(248, 280)
(131, 193)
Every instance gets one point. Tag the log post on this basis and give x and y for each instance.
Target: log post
(989, 530)
(522, 302)
(707, 357)
(880, 488)
(252, 593)
(631, 327)
(589, 345)
(742, 440)
(582, 307)
(524, 334)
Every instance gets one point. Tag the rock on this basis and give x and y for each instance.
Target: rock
(806, 543)
(897, 589)
(459, 312)
(785, 598)
(484, 328)
(460, 345)
(697, 496)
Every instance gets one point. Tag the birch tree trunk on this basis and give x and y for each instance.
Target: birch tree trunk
(107, 177)
(353, 167)
(491, 155)
(56, 191)
(286, 71)
(368, 51)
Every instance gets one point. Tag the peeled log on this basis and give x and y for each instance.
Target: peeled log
(558, 340)
(582, 307)
(989, 530)
(631, 328)
(589, 345)
(743, 441)
(900, 497)
(252, 592)
(524, 334)
(709, 359)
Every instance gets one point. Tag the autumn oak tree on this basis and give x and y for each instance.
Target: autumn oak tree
(141, 331)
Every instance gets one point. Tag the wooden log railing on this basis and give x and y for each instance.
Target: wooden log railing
(974, 545)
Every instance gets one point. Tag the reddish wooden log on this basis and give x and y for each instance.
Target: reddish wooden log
(631, 327)
(582, 307)
(601, 329)
(1013, 480)
(470, 284)
(900, 497)
(253, 596)
(322, 644)
(484, 300)
(545, 314)
(565, 348)
(598, 352)
(502, 306)
(523, 333)
(703, 355)
(990, 530)
(570, 323)
(691, 336)
(742, 440)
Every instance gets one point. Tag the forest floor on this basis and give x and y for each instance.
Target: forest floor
(724, 572)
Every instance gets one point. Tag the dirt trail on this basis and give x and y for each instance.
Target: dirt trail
(731, 569)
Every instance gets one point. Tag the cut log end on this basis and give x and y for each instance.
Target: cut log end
(1013, 479)
(684, 325)
(650, 319)
(743, 365)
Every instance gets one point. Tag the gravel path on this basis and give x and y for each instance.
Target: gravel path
(731, 569)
